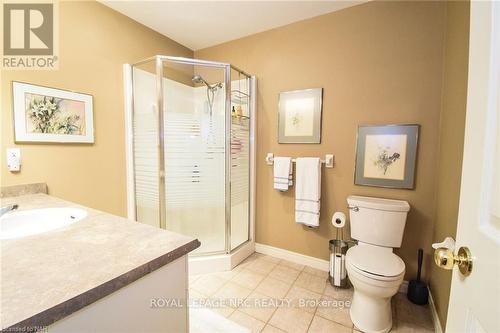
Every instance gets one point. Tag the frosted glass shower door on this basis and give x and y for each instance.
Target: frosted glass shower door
(145, 145)
(195, 153)
(240, 158)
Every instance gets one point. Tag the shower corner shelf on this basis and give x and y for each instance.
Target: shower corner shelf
(239, 97)
(240, 117)
(239, 93)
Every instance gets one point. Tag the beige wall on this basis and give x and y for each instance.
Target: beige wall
(379, 63)
(95, 42)
(451, 142)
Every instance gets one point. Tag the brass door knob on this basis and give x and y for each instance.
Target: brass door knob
(445, 258)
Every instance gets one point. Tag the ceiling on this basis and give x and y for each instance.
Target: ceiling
(200, 24)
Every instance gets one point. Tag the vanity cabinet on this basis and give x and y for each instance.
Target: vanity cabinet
(154, 303)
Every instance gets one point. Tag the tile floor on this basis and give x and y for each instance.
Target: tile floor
(249, 295)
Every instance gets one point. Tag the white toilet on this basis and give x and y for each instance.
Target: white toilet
(375, 272)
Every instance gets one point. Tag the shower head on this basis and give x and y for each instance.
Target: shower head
(199, 79)
(211, 89)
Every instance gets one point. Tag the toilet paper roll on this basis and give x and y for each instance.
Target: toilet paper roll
(338, 220)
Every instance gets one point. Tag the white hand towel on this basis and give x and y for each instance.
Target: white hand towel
(308, 191)
(282, 173)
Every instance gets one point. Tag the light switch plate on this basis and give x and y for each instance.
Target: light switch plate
(329, 160)
(270, 159)
(14, 159)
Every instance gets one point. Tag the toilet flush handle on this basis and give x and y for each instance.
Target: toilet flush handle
(353, 208)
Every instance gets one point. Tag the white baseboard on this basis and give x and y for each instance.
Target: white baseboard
(435, 318)
(293, 256)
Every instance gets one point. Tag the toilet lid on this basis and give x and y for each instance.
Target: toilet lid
(374, 260)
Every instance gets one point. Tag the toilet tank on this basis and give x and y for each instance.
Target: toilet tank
(377, 221)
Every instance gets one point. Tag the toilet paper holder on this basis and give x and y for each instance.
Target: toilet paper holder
(337, 271)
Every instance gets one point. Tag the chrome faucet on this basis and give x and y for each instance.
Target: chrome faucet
(5, 209)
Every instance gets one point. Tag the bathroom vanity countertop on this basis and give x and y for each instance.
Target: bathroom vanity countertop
(48, 276)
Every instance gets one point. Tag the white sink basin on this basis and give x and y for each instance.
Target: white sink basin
(36, 221)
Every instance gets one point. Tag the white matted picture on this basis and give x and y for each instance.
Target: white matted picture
(299, 118)
(43, 114)
(386, 156)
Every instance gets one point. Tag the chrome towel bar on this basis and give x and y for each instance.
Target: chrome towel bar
(328, 161)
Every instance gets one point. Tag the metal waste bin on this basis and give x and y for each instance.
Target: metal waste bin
(338, 271)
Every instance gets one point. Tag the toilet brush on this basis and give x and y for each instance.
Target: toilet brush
(418, 292)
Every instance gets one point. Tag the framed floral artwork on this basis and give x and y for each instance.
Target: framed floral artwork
(43, 114)
(299, 117)
(386, 156)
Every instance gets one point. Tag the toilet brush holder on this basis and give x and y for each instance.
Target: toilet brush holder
(338, 272)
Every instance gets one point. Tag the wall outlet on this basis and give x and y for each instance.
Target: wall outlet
(14, 159)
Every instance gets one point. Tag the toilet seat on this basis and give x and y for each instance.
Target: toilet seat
(375, 262)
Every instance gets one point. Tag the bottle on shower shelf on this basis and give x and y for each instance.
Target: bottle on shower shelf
(239, 111)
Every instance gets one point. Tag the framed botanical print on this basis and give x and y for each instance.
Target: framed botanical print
(299, 116)
(43, 114)
(386, 156)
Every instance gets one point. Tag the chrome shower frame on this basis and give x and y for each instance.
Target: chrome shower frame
(160, 61)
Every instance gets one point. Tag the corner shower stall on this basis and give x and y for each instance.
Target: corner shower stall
(190, 154)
